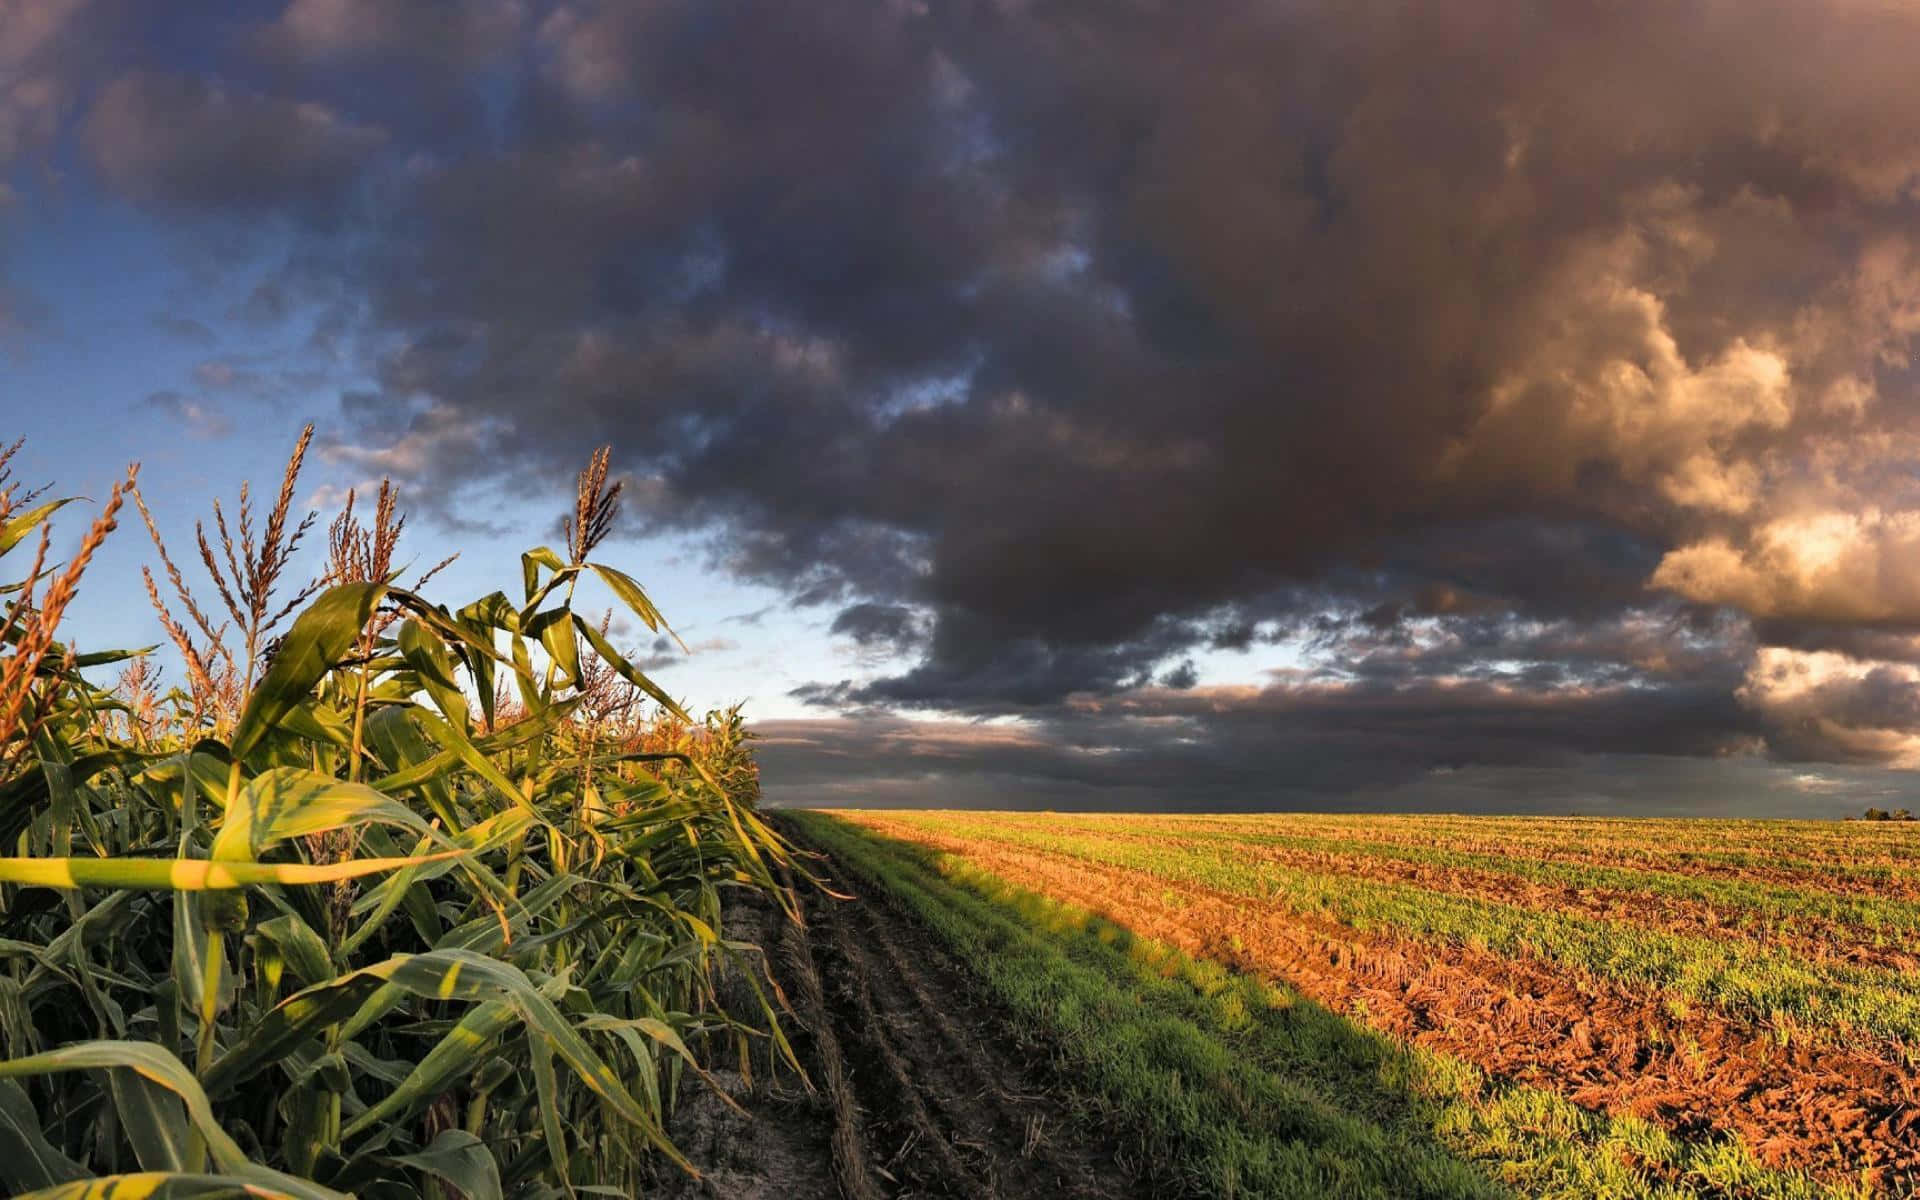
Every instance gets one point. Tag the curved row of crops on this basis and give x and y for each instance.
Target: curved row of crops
(388, 898)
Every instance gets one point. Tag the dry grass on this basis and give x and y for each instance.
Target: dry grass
(33, 617)
(596, 503)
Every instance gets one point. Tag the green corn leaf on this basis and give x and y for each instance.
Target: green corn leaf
(391, 1072)
(316, 722)
(492, 611)
(462, 1160)
(300, 946)
(320, 637)
(398, 743)
(458, 974)
(299, 1017)
(27, 1159)
(189, 949)
(192, 874)
(18, 527)
(524, 680)
(628, 671)
(483, 935)
(530, 564)
(488, 835)
(100, 658)
(547, 1087)
(482, 671)
(405, 889)
(451, 1059)
(289, 802)
(402, 889)
(162, 1068)
(478, 763)
(469, 627)
(153, 1118)
(442, 763)
(436, 975)
(430, 660)
(555, 631)
(159, 1185)
(641, 1053)
(189, 778)
(635, 797)
(100, 921)
(631, 594)
(307, 1113)
(27, 791)
(658, 1030)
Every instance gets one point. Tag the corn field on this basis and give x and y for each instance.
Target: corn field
(384, 898)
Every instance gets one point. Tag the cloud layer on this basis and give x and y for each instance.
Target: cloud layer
(1535, 379)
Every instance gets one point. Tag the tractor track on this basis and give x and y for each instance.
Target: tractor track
(920, 1087)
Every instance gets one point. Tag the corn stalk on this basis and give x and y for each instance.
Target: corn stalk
(359, 931)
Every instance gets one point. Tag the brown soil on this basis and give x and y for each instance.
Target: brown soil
(919, 1088)
(1829, 1109)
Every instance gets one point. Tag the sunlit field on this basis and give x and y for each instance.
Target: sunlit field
(1450, 1006)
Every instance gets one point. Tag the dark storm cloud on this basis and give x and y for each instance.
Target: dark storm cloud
(877, 762)
(184, 144)
(1196, 304)
(1505, 357)
(886, 626)
(1290, 744)
(970, 669)
(463, 32)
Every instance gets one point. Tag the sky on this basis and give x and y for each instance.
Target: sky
(1361, 404)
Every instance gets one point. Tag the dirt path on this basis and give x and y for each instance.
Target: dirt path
(920, 1089)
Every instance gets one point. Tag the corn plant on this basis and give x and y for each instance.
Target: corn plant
(326, 921)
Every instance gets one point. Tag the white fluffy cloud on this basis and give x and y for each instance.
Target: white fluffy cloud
(1825, 705)
(1861, 566)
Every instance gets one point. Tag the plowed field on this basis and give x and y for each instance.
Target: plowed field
(1446, 1006)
